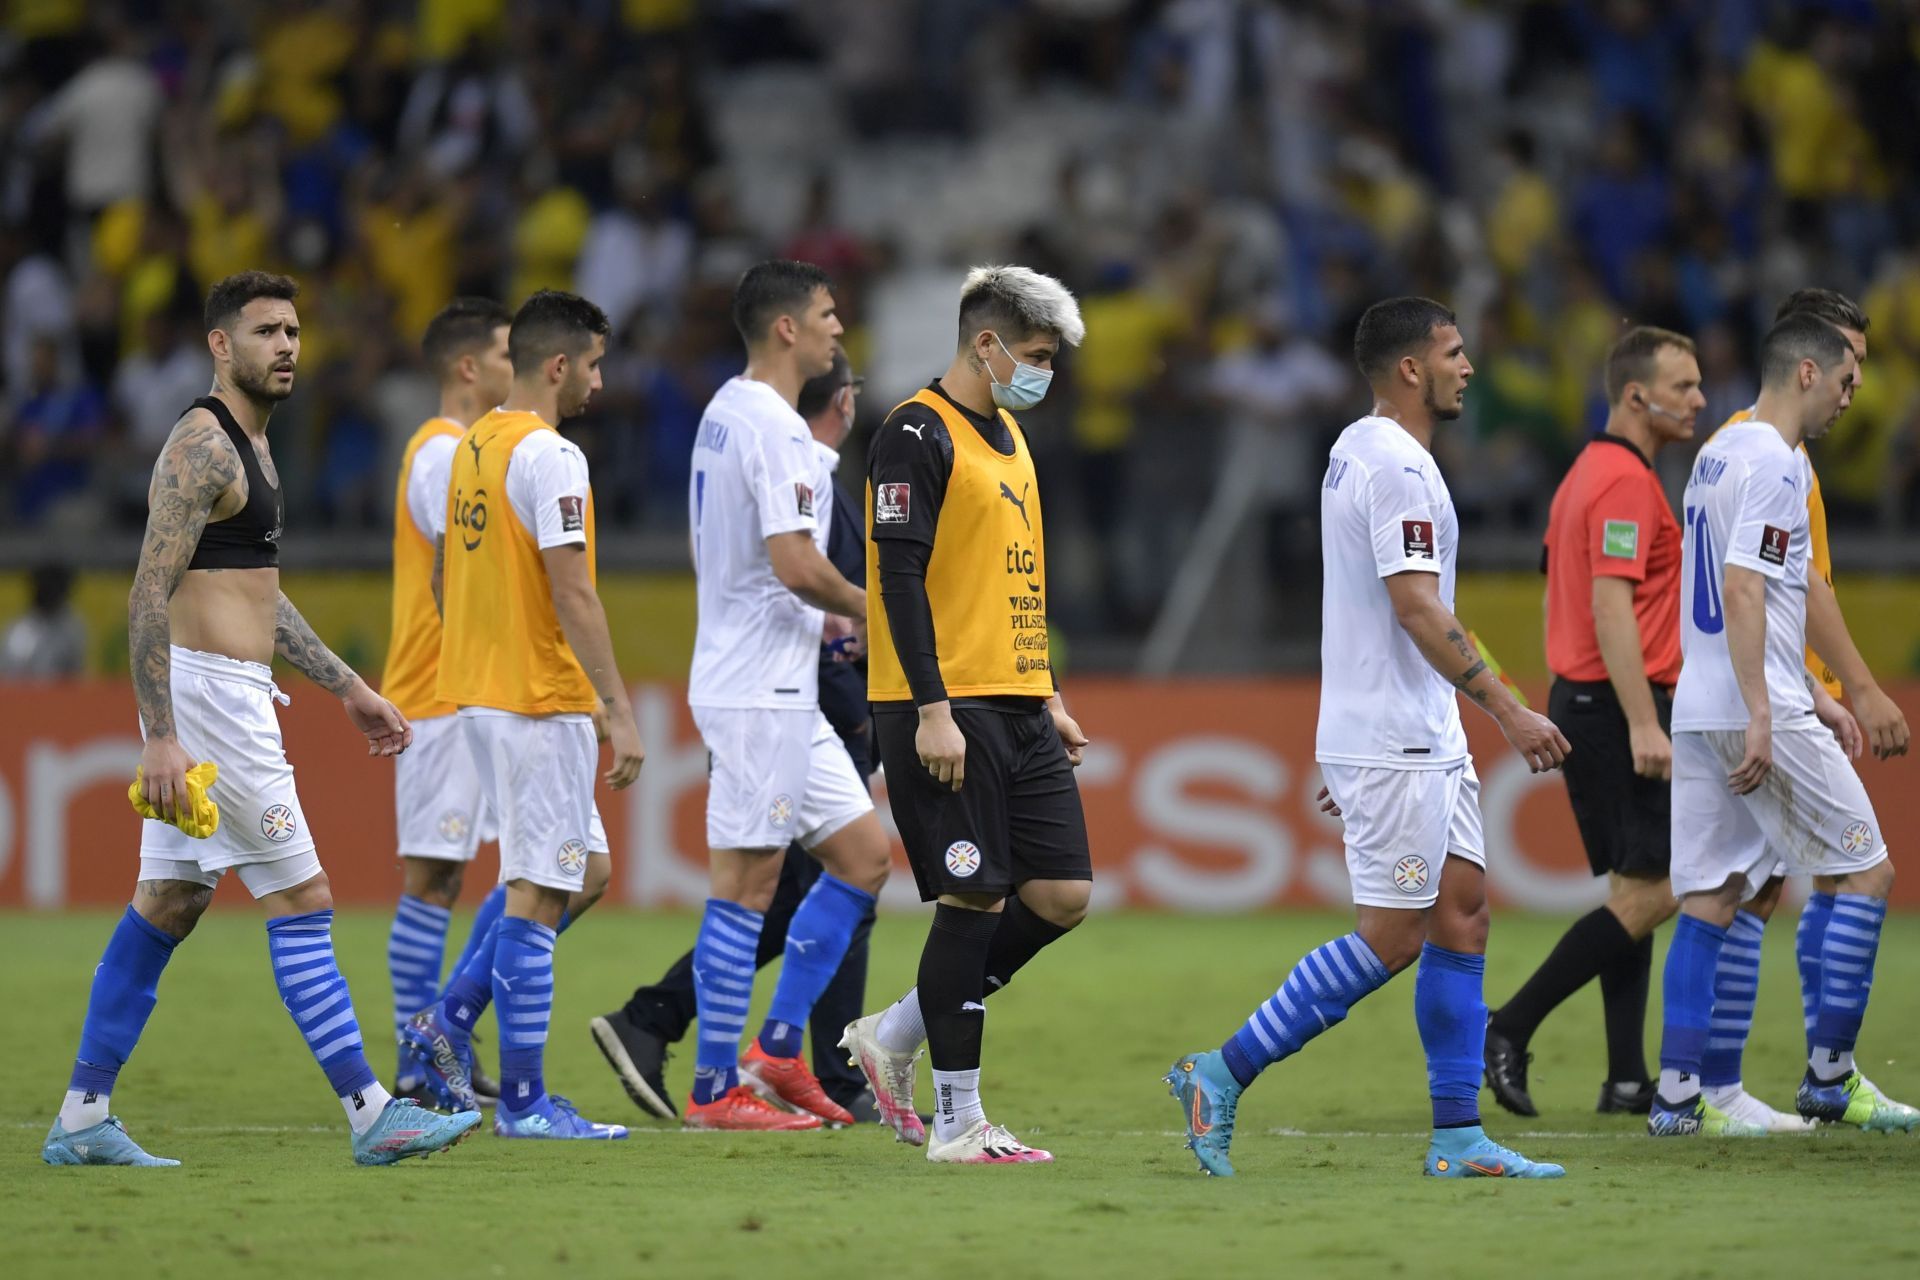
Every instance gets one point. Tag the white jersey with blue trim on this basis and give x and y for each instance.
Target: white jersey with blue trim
(1745, 505)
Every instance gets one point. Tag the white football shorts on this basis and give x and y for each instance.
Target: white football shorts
(440, 809)
(223, 711)
(1401, 824)
(536, 774)
(776, 775)
(1810, 817)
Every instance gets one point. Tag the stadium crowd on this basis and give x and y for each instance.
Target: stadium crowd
(1225, 182)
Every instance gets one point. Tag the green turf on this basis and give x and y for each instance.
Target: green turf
(1328, 1151)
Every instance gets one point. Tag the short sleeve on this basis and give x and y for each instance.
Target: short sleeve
(1401, 520)
(427, 483)
(908, 465)
(1773, 504)
(558, 491)
(779, 471)
(1621, 521)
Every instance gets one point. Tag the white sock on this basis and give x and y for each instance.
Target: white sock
(1720, 1095)
(901, 1029)
(82, 1110)
(956, 1106)
(1829, 1065)
(1676, 1087)
(364, 1107)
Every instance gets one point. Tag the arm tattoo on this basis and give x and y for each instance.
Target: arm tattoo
(196, 466)
(1468, 676)
(294, 640)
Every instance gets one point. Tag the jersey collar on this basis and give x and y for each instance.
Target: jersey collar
(1628, 445)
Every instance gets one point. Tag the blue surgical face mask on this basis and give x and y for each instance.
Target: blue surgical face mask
(1028, 387)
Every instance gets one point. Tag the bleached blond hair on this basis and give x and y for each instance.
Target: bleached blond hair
(1019, 301)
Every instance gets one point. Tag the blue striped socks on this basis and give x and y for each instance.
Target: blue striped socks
(1327, 982)
(817, 941)
(1807, 942)
(301, 949)
(1736, 984)
(490, 908)
(125, 988)
(1846, 980)
(723, 966)
(416, 946)
(1687, 986)
(523, 1004)
(1451, 1012)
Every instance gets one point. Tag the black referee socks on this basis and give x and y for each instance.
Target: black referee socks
(1595, 943)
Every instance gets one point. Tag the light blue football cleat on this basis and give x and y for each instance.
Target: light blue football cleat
(406, 1129)
(103, 1143)
(1208, 1096)
(1470, 1153)
(443, 1054)
(551, 1117)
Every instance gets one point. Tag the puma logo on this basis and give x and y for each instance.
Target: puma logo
(1006, 492)
(919, 432)
(473, 443)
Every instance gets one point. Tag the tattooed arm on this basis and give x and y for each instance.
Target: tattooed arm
(196, 466)
(294, 640)
(387, 731)
(1442, 641)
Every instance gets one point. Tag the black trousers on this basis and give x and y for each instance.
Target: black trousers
(667, 1008)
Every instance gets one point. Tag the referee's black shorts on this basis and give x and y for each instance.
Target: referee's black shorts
(1016, 817)
(1623, 817)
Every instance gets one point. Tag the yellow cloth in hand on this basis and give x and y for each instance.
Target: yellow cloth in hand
(201, 816)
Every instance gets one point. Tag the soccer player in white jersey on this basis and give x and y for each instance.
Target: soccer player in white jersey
(1760, 751)
(1394, 758)
(778, 771)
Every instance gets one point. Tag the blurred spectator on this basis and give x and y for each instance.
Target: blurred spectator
(1552, 169)
(53, 437)
(105, 118)
(49, 640)
(153, 386)
(637, 255)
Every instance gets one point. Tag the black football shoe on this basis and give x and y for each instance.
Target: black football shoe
(1507, 1074)
(639, 1058)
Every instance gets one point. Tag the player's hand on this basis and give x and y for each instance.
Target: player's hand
(840, 639)
(1326, 803)
(1757, 763)
(600, 730)
(1652, 750)
(1536, 738)
(628, 753)
(163, 776)
(388, 733)
(1070, 735)
(1846, 730)
(941, 745)
(1881, 722)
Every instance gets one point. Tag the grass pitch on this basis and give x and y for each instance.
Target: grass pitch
(1328, 1150)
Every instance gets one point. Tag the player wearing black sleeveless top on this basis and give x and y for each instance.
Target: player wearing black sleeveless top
(251, 538)
(204, 619)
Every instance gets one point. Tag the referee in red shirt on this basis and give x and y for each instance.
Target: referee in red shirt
(1612, 560)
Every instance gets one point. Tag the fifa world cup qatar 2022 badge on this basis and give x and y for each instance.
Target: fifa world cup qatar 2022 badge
(892, 503)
